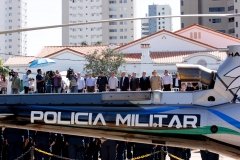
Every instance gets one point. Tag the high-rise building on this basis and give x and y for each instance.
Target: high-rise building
(227, 25)
(150, 26)
(74, 11)
(13, 15)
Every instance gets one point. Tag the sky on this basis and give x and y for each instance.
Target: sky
(49, 12)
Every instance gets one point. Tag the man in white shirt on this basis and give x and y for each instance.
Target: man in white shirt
(167, 81)
(113, 82)
(90, 83)
(26, 81)
(81, 83)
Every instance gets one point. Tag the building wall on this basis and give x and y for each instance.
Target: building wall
(95, 10)
(226, 25)
(209, 38)
(164, 42)
(13, 16)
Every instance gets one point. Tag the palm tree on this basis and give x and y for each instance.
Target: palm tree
(84, 43)
(98, 43)
(3, 69)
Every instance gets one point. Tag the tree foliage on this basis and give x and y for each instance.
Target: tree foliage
(107, 61)
(98, 43)
(3, 69)
(84, 43)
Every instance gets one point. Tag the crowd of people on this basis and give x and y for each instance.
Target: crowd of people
(15, 142)
(52, 82)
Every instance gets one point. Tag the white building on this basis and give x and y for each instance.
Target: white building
(13, 15)
(74, 11)
(150, 26)
(159, 51)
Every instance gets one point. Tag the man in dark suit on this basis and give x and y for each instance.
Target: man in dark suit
(134, 83)
(124, 82)
(144, 82)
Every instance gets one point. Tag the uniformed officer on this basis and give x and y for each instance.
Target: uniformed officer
(121, 150)
(42, 142)
(108, 150)
(143, 149)
(76, 146)
(102, 82)
(93, 149)
(205, 155)
(15, 139)
(58, 146)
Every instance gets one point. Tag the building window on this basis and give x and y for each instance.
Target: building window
(10, 40)
(9, 52)
(112, 16)
(182, 25)
(10, 21)
(236, 24)
(217, 20)
(236, 35)
(163, 8)
(125, 37)
(10, 8)
(121, 37)
(112, 9)
(230, 31)
(121, 23)
(236, 10)
(112, 2)
(10, 46)
(125, 23)
(125, 1)
(231, 19)
(113, 37)
(223, 31)
(217, 9)
(112, 30)
(112, 23)
(159, 13)
(159, 27)
(120, 1)
(202, 62)
(10, 14)
(125, 30)
(10, 27)
(182, 13)
(230, 8)
(121, 30)
(182, 3)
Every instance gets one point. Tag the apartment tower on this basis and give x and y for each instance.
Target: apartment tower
(227, 25)
(13, 15)
(150, 26)
(74, 11)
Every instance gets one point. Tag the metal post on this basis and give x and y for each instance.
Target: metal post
(162, 154)
(32, 153)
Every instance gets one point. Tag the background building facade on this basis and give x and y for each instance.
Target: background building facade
(13, 15)
(75, 11)
(150, 26)
(227, 25)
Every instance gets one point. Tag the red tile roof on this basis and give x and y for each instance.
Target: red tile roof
(206, 28)
(84, 50)
(173, 57)
(19, 60)
(165, 31)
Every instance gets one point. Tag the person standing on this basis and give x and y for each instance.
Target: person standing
(124, 82)
(102, 82)
(143, 149)
(90, 83)
(73, 82)
(58, 145)
(167, 81)
(4, 84)
(76, 146)
(113, 82)
(14, 139)
(205, 155)
(189, 87)
(155, 81)
(57, 82)
(81, 83)
(15, 84)
(41, 142)
(144, 82)
(121, 150)
(26, 81)
(134, 83)
(108, 149)
(177, 81)
(40, 81)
